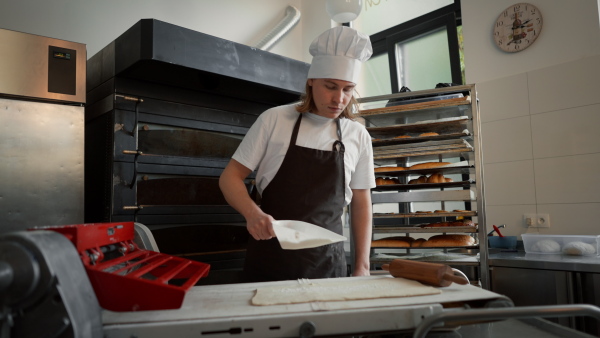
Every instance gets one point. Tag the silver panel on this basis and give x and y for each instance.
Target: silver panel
(41, 164)
(24, 66)
(528, 287)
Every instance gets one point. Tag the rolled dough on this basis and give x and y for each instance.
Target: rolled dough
(341, 289)
(579, 249)
(546, 245)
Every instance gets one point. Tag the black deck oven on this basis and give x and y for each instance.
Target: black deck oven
(167, 107)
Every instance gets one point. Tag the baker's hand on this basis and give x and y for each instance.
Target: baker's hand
(261, 226)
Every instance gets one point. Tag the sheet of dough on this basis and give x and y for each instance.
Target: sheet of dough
(307, 291)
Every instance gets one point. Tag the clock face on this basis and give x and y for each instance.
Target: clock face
(517, 27)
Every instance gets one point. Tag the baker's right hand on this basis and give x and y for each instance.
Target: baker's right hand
(261, 227)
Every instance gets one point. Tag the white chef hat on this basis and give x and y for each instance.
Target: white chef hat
(338, 53)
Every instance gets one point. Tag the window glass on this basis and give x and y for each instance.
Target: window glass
(375, 77)
(379, 15)
(423, 61)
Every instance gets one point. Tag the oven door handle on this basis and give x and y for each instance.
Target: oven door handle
(137, 154)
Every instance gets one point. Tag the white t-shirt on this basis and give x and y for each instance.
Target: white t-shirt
(266, 143)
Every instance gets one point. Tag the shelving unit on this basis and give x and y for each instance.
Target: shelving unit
(396, 123)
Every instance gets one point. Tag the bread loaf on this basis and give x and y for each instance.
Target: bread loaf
(449, 240)
(436, 178)
(386, 181)
(440, 211)
(417, 243)
(421, 179)
(429, 134)
(403, 136)
(392, 181)
(393, 242)
(428, 165)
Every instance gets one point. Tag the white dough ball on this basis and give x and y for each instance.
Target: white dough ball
(579, 249)
(546, 245)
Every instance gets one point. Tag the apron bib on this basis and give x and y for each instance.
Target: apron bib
(309, 186)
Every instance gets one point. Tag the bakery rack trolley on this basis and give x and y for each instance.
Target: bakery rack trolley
(453, 114)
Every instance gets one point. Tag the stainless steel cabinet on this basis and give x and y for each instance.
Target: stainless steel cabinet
(530, 287)
(42, 93)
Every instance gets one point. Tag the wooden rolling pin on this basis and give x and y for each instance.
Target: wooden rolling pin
(427, 273)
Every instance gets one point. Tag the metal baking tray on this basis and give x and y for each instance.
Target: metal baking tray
(410, 148)
(424, 196)
(433, 214)
(418, 229)
(445, 170)
(465, 154)
(406, 187)
(437, 257)
(451, 125)
(446, 136)
(400, 113)
(383, 155)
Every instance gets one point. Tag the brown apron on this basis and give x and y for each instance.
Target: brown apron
(309, 186)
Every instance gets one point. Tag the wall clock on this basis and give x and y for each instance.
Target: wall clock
(517, 27)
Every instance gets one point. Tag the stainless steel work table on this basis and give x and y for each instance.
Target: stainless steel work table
(521, 259)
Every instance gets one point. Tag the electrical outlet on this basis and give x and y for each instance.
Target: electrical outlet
(543, 220)
(536, 220)
(530, 220)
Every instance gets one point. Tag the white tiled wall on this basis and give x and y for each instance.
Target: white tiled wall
(541, 148)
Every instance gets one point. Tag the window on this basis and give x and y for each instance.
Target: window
(420, 53)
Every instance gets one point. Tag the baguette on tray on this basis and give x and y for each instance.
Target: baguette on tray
(428, 165)
(393, 242)
(448, 240)
(385, 169)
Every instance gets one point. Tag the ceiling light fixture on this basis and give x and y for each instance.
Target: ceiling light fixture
(343, 11)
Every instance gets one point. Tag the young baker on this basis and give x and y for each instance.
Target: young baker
(312, 159)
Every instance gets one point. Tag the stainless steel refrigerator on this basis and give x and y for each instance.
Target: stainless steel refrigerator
(42, 98)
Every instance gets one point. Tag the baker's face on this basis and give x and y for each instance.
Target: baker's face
(331, 96)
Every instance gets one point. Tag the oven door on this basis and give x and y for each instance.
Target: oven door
(164, 174)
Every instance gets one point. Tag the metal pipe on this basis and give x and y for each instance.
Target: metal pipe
(292, 16)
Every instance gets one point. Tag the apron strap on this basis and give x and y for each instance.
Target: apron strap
(295, 131)
(339, 140)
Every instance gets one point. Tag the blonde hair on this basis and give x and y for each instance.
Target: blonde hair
(307, 103)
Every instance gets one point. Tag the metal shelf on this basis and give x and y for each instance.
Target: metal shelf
(424, 196)
(428, 215)
(417, 229)
(444, 170)
(406, 187)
